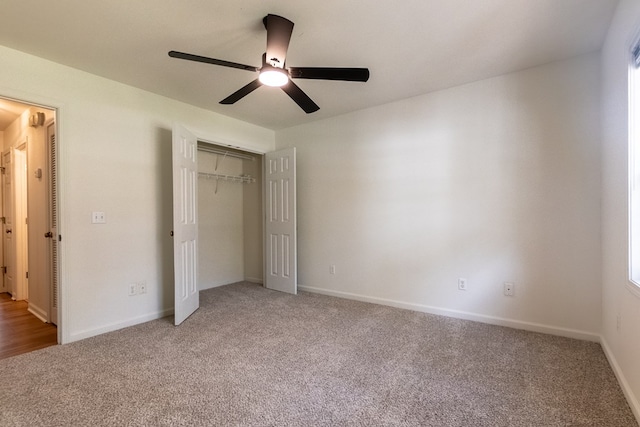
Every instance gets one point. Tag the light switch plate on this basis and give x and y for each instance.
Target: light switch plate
(98, 218)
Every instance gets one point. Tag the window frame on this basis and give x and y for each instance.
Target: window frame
(633, 171)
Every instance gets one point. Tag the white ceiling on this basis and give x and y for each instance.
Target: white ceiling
(411, 47)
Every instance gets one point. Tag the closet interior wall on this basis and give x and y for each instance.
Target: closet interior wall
(229, 221)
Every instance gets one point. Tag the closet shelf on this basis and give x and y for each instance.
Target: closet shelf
(244, 179)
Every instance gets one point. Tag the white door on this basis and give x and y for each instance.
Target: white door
(8, 242)
(185, 223)
(281, 270)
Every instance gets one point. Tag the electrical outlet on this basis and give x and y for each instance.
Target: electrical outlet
(132, 289)
(509, 289)
(462, 284)
(332, 269)
(142, 287)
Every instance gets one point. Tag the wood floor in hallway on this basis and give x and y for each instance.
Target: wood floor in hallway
(21, 331)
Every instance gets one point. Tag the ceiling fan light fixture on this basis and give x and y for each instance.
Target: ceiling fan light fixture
(273, 71)
(273, 76)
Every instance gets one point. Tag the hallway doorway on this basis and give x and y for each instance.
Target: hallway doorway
(28, 219)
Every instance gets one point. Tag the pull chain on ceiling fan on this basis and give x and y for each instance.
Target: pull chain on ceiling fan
(273, 71)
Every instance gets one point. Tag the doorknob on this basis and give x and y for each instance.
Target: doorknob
(48, 234)
(8, 231)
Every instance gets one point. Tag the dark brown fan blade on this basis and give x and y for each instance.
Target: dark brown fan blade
(197, 58)
(300, 97)
(327, 73)
(242, 92)
(279, 31)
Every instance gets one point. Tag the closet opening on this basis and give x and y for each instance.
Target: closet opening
(230, 211)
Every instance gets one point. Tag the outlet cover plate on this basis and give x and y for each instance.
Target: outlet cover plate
(509, 289)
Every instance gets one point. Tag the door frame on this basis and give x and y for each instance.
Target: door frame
(58, 108)
(262, 154)
(9, 247)
(21, 232)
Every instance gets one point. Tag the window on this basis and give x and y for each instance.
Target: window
(634, 166)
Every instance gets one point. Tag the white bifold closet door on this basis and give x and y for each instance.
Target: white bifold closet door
(185, 223)
(281, 272)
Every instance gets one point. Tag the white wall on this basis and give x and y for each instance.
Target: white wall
(115, 157)
(622, 346)
(493, 181)
(16, 130)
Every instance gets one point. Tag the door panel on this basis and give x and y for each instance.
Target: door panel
(280, 229)
(53, 220)
(185, 223)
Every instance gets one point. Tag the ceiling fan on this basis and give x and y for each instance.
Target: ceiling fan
(273, 71)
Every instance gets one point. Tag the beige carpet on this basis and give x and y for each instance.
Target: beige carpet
(254, 357)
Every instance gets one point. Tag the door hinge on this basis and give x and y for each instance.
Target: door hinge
(3, 219)
(2, 169)
(4, 269)
(59, 237)
(27, 274)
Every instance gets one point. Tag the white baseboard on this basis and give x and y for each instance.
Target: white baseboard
(492, 320)
(632, 400)
(119, 325)
(38, 312)
(204, 287)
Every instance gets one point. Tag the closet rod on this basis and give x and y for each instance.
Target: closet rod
(246, 179)
(209, 149)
